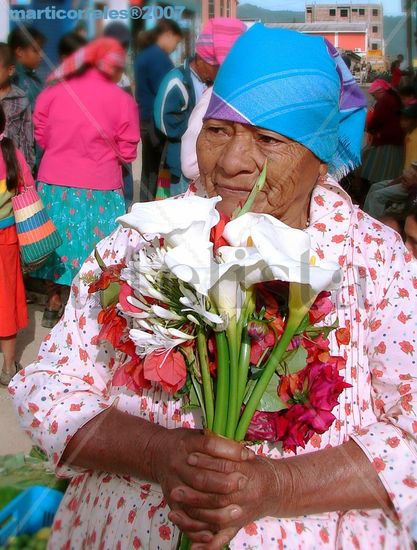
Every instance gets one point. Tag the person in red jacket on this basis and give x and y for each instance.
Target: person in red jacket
(383, 159)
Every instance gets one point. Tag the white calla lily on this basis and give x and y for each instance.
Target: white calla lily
(286, 252)
(178, 221)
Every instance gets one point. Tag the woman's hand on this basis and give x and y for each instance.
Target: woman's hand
(174, 470)
(223, 514)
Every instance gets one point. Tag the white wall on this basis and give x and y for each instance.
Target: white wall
(4, 20)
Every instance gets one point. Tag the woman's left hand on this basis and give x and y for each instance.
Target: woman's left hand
(226, 514)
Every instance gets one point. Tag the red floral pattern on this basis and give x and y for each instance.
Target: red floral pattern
(378, 411)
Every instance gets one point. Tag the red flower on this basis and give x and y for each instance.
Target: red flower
(260, 345)
(165, 532)
(126, 291)
(342, 336)
(251, 529)
(406, 347)
(410, 481)
(131, 375)
(168, 369)
(111, 274)
(393, 441)
(113, 326)
(379, 464)
(263, 427)
(312, 394)
(321, 308)
(216, 234)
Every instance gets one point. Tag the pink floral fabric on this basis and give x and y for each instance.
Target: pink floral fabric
(71, 382)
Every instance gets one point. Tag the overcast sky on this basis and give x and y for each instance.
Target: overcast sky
(391, 7)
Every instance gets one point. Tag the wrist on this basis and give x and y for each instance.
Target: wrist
(275, 486)
(158, 447)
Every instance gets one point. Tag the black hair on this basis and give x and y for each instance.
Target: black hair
(147, 38)
(407, 90)
(70, 43)
(9, 155)
(119, 31)
(23, 37)
(6, 55)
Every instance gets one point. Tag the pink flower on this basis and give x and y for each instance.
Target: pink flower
(263, 427)
(126, 291)
(168, 369)
(311, 394)
(260, 344)
(321, 308)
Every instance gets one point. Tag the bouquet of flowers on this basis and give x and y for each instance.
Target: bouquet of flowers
(227, 315)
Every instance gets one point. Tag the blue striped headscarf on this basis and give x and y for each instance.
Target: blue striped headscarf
(296, 85)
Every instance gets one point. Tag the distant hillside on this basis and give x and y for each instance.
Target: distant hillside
(248, 11)
(394, 27)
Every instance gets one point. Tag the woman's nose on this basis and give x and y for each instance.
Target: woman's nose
(238, 156)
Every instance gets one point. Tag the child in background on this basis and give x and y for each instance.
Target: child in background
(26, 44)
(19, 127)
(13, 311)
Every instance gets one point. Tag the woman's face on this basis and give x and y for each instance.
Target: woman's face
(231, 157)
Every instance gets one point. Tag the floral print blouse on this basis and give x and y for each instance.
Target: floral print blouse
(70, 382)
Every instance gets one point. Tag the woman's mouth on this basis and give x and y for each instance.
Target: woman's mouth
(231, 190)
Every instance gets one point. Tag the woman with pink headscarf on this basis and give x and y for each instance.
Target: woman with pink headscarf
(88, 127)
(182, 88)
(384, 158)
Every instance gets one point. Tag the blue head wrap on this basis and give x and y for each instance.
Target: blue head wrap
(296, 85)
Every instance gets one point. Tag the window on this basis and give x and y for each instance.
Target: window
(309, 10)
(343, 13)
(211, 9)
(227, 8)
(354, 10)
(361, 11)
(332, 13)
(374, 46)
(221, 8)
(375, 13)
(374, 29)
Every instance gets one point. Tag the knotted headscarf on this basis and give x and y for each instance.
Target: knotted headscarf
(296, 85)
(106, 54)
(217, 37)
(379, 85)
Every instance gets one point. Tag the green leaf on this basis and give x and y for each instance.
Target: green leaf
(314, 331)
(110, 295)
(270, 402)
(99, 260)
(259, 184)
(293, 361)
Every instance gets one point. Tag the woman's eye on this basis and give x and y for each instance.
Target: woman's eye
(216, 130)
(264, 138)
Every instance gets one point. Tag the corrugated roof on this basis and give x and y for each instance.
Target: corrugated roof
(322, 27)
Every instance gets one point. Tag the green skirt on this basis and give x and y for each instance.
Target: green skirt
(83, 217)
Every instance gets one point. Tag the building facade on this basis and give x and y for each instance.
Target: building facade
(217, 8)
(371, 15)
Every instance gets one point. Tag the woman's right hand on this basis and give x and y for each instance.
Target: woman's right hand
(170, 468)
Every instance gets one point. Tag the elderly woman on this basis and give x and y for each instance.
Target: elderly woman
(140, 466)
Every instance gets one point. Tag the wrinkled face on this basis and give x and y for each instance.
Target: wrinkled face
(410, 232)
(231, 157)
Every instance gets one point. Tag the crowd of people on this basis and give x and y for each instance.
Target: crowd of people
(212, 121)
(78, 133)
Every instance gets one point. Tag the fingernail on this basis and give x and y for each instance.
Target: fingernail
(179, 494)
(235, 513)
(173, 517)
(207, 537)
(243, 481)
(244, 454)
(192, 460)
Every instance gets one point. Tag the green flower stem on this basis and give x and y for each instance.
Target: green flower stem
(205, 375)
(222, 393)
(184, 542)
(232, 416)
(244, 361)
(265, 378)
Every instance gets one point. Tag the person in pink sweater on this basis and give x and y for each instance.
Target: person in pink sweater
(88, 128)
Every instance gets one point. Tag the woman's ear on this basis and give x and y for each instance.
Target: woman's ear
(324, 168)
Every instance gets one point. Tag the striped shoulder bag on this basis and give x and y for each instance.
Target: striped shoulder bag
(37, 234)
